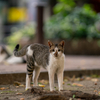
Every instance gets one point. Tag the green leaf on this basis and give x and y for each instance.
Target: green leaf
(73, 96)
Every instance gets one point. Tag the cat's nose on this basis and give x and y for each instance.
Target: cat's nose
(56, 54)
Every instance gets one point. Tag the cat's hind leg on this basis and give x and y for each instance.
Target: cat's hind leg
(29, 76)
(36, 75)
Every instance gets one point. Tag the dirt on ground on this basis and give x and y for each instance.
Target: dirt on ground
(16, 91)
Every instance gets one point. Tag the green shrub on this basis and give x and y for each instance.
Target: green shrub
(27, 32)
(71, 23)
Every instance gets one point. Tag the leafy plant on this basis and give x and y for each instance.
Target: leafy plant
(72, 22)
(64, 5)
(27, 32)
(73, 96)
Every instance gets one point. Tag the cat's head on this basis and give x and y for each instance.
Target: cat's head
(56, 49)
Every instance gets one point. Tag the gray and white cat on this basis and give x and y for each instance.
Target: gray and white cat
(38, 55)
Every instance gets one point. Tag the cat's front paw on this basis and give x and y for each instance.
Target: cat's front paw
(27, 88)
(61, 89)
(52, 89)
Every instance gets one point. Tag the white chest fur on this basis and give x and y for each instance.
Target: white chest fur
(55, 63)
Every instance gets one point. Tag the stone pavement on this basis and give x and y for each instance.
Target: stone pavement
(72, 63)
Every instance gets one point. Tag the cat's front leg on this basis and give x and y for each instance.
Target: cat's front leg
(51, 79)
(60, 79)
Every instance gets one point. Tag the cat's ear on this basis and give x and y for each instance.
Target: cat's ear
(50, 43)
(62, 43)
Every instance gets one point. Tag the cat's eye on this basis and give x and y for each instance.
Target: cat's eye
(53, 50)
(58, 49)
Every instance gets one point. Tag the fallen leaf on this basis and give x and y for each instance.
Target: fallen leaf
(17, 83)
(68, 78)
(17, 86)
(22, 85)
(95, 83)
(26, 89)
(94, 79)
(65, 80)
(70, 99)
(68, 84)
(73, 78)
(21, 98)
(76, 84)
(73, 96)
(7, 88)
(81, 79)
(44, 81)
(18, 93)
(95, 90)
(3, 88)
(31, 84)
(41, 85)
(88, 78)
(77, 79)
(99, 92)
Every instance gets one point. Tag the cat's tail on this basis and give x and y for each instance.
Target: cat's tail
(21, 52)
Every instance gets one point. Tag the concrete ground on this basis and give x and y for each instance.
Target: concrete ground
(71, 63)
(74, 65)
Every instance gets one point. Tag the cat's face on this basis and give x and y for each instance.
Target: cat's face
(56, 49)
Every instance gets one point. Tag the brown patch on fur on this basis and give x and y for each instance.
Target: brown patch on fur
(56, 54)
(60, 47)
(51, 48)
(50, 43)
(62, 43)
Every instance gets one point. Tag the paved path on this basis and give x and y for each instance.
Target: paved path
(71, 63)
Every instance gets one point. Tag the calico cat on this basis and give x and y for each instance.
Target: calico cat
(38, 55)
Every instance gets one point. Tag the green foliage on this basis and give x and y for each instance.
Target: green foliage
(27, 32)
(73, 96)
(72, 23)
(64, 5)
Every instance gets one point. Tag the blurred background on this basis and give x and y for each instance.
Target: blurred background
(28, 21)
